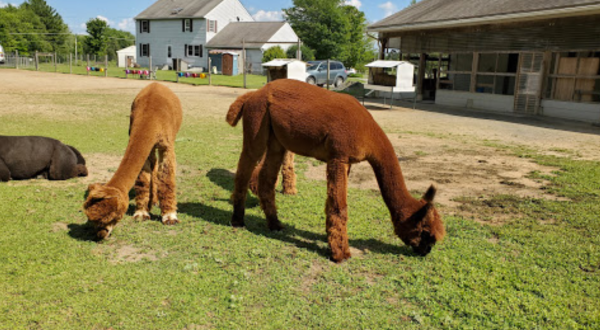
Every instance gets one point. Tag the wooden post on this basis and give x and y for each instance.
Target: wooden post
(299, 52)
(474, 68)
(105, 66)
(150, 67)
(55, 63)
(17, 59)
(327, 78)
(244, 56)
(209, 72)
(70, 63)
(37, 61)
(421, 76)
(88, 63)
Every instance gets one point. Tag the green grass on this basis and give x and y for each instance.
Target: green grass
(539, 269)
(252, 81)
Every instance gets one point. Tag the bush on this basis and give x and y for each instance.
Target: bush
(307, 53)
(273, 53)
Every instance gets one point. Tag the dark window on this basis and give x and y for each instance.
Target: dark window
(169, 51)
(193, 50)
(144, 50)
(187, 25)
(145, 26)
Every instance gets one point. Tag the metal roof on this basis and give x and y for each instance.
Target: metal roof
(438, 12)
(386, 64)
(280, 62)
(255, 34)
(166, 9)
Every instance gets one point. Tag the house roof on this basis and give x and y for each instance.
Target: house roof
(446, 13)
(178, 9)
(255, 34)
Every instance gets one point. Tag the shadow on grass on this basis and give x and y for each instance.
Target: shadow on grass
(290, 234)
(83, 232)
(225, 179)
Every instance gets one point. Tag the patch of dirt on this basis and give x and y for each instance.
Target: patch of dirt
(311, 277)
(59, 226)
(128, 253)
(459, 171)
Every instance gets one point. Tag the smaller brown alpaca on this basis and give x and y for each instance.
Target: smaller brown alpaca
(155, 120)
(288, 115)
(288, 176)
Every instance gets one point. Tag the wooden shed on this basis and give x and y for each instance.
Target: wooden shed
(533, 57)
(285, 69)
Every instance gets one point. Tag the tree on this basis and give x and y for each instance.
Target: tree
(360, 48)
(52, 22)
(117, 39)
(96, 43)
(273, 53)
(307, 53)
(322, 25)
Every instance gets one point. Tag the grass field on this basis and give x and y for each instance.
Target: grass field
(537, 269)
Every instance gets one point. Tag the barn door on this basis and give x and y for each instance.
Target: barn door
(529, 83)
(228, 64)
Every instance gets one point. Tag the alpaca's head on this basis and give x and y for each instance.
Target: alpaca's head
(422, 226)
(104, 207)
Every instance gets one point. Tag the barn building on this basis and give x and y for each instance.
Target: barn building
(534, 57)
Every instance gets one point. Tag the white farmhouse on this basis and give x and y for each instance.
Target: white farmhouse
(180, 29)
(256, 38)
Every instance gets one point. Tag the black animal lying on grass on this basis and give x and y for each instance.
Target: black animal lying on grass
(27, 157)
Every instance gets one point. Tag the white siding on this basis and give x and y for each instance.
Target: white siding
(164, 33)
(500, 103)
(286, 33)
(571, 110)
(226, 12)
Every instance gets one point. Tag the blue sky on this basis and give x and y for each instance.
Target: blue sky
(119, 13)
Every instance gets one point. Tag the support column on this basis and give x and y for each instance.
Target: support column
(421, 76)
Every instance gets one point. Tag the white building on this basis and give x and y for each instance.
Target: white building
(180, 29)
(126, 57)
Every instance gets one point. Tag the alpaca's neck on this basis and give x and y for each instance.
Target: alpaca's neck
(138, 150)
(391, 182)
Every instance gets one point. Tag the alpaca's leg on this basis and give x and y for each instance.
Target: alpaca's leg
(337, 210)
(288, 174)
(246, 166)
(166, 184)
(267, 179)
(143, 189)
(253, 185)
(4, 172)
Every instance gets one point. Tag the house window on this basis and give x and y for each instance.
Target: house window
(456, 76)
(574, 77)
(496, 73)
(144, 50)
(145, 26)
(212, 26)
(187, 25)
(193, 50)
(169, 52)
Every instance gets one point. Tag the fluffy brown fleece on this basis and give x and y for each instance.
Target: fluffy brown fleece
(155, 120)
(288, 176)
(288, 115)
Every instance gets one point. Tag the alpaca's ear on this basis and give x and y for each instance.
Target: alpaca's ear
(430, 194)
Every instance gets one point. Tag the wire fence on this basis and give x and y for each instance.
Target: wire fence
(99, 66)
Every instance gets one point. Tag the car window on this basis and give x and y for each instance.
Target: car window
(313, 66)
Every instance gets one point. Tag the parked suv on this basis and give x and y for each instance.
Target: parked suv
(316, 73)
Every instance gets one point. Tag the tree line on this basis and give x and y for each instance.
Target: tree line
(36, 26)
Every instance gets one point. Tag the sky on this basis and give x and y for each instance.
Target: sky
(119, 13)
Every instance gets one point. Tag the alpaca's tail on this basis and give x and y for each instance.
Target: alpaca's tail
(235, 110)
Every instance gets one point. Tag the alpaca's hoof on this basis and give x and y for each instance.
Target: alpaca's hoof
(141, 216)
(170, 219)
(289, 191)
(340, 257)
(237, 223)
(275, 226)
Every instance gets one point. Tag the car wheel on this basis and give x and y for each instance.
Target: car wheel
(311, 80)
(338, 81)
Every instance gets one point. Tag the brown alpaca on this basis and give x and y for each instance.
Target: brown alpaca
(287, 115)
(155, 120)
(288, 176)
